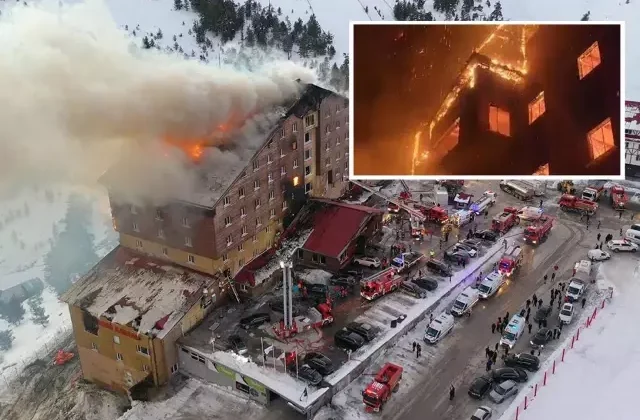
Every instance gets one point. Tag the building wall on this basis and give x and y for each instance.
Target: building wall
(574, 106)
(332, 148)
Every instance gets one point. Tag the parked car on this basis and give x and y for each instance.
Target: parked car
(541, 337)
(348, 340)
(319, 362)
(502, 391)
(413, 289)
(317, 289)
(542, 313)
(457, 257)
(598, 255)
(426, 283)
(487, 235)
(344, 281)
(307, 374)
(523, 360)
(356, 274)
(255, 320)
(480, 386)
(237, 344)
(473, 243)
(439, 267)
(507, 373)
(620, 245)
(371, 262)
(364, 330)
(473, 252)
(277, 305)
(566, 313)
(482, 413)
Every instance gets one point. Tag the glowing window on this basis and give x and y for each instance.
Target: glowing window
(601, 139)
(536, 108)
(542, 170)
(296, 181)
(589, 60)
(499, 121)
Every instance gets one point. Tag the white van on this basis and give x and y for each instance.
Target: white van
(633, 234)
(466, 300)
(438, 328)
(513, 331)
(491, 284)
(583, 266)
(462, 217)
(530, 213)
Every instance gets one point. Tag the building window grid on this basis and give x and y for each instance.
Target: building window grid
(192, 259)
(589, 60)
(269, 159)
(272, 195)
(245, 232)
(227, 221)
(270, 177)
(499, 121)
(187, 241)
(537, 107)
(241, 192)
(601, 139)
(229, 240)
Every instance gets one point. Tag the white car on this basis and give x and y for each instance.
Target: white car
(566, 313)
(466, 248)
(482, 413)
(620, 245)
(598, 255)
(371, 262)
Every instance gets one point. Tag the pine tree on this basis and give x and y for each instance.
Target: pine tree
(6, 339)
(38, 314)
(145, 43)
(159, 34)
(178, 4)
(12, 311)
(586, 16)
(496, 15)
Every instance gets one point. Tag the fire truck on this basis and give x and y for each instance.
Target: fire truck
(434, 214)
(385, 383)
(417, 228)
(317, 317)
(619, 197)
(539, 230)
(518, 189)
(406, 260)
(593, 192)
(511, 260)
(380, 284)
(393, 208)
(572, 203)
(505, 220)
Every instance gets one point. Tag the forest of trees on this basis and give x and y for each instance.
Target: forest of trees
(471, 10)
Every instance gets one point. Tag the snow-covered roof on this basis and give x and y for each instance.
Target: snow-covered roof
(284, 253)
(133, 290)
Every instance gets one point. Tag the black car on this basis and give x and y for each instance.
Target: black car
(319, 362)
(487, 235)
(307, 374)
(456, 256)
(255, 320)
(344, 281)
(523, 360)
(317, 289)
(541, 337)
(277, 305)
(542, 313)
(413, 290)
(236, 344)
(438, 267)
(480, 386)
(356, 274)
(507, 373)
(348, 340)
(426, 283)
(364, 330)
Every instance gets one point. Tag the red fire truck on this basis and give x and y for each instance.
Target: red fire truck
(380, 284)
(619, 197)
(511, 260)
(317, 317)
(435, 214)
(572, 203)
(385, 383)
(505, 220)
(535, 233)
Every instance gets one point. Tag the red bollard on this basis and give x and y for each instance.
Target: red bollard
(535, 390)
(573, 340)
(517, 412)
(544, 382)
(564, 350)
(578, 335)
(603, 304)
(554, 367)
(525, 402)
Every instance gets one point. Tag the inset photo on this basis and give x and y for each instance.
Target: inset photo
(509, 100)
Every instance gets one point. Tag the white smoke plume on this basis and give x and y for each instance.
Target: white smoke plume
(78, 94)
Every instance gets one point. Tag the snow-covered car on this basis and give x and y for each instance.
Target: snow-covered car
(598, 255)
(371, 262)
(566, 313)
(482, 413)
(473, 252)
(620, 245)
(502, 391)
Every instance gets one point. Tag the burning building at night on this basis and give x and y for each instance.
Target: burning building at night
(554, 111)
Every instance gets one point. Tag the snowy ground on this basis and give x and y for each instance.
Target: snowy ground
(600, 373)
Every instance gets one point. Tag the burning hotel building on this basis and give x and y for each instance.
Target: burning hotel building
(554, 110)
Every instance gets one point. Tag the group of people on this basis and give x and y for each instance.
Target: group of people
(417, 349)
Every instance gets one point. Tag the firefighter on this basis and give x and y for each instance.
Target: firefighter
(452, 393)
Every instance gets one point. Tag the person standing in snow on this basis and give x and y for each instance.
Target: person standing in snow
(529, 327)
(499, 321)
(489, 363)
(528, 303)
(414, 347)
(452, 393)
(493, 328)
(418, 350)
(545, 279)
(535, 300)
(598, 237)
(506, 316)
(494, 357)
(553, 276)
(539, 303)
(487, 352)
(584, 301)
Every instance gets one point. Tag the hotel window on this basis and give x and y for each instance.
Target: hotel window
(537, 107)
(272, 195)
(229, 240)
(159, 215)
(254, 238)
(243, 212)
(309, 120)
(307, 137)
(187, 241)
(225, 257)
(258, 221)
(601, 139)
(337, 140)
(269, 159)
(295, 163)
(142, 350)
(257, 203)
(119, 357)
(282, 154)
(542, 170)
(256, 184)
(185, 222)
(138, 243)
(256, 164)
(174, 368)
(161, 233)
(244, 231)
(296, 181)
(327, 129)
(240, 247)
(254, 253)
(282, 133)
(134, 210)
(337, 124)
(284, 205)
(294, 127)
(307, 170)
(327, 145)
(116, 339)
(346, 165)
(192, 259)
(267, 229)
(338, 156)
(241, 192)
(337, 109)
(165, 251)
(227, 221)
(270, 177)
(272, 213)
(307, 154)
(589, 60)
(499, 121)
(294, 145)
(135, 227)
(308, 187)
(270, 143)
(145, 368)
(227, 201)
(240, 265)
(283, 170)
(327, 161)
(94, 346)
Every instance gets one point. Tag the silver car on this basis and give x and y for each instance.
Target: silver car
(502, 391)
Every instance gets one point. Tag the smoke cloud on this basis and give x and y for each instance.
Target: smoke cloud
(78, 95)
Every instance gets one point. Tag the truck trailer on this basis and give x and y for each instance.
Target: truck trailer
(518, 189)
(571, 203)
